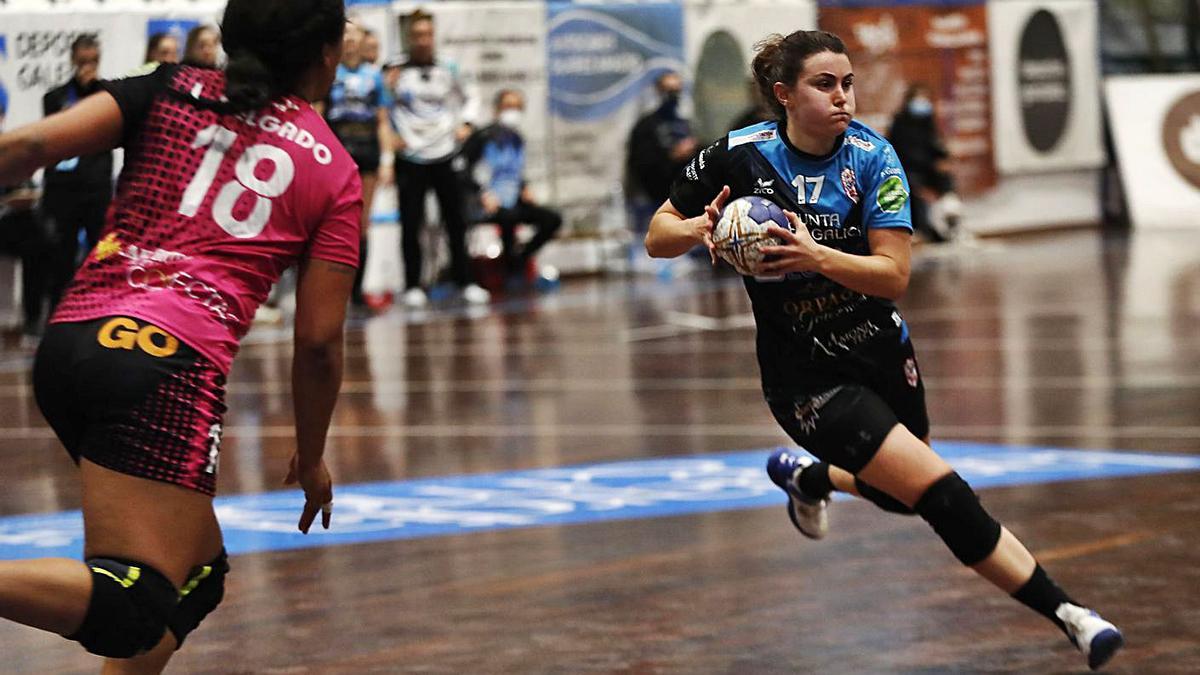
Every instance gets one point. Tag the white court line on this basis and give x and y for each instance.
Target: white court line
(682, 322)
(750, 384)
(1009, 433)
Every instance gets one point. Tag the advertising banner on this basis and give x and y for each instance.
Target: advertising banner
(603, 60)
(942, 46)
(35, 54)
(1045, 73)
(1156, 130)
(35, 48)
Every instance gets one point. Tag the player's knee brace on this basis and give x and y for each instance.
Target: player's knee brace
(882, 499)
(201, 593)
(128, 612)
(954, 511)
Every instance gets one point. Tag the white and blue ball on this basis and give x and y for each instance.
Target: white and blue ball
(742, 232)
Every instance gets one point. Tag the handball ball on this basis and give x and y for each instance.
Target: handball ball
(742, 231)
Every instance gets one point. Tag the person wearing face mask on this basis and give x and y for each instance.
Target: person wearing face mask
(914, 134)
(661, 144)
(495, 158)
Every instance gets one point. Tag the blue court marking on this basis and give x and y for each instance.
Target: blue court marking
(578, 494)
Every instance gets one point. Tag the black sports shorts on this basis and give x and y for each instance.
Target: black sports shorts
(364, 151)
(133, 398)
(842, 413)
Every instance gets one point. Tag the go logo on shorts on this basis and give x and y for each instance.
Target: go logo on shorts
(125, 333)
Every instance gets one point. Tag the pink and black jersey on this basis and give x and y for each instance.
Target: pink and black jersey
(211, 208)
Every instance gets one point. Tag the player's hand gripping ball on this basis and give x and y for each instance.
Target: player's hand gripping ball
(742, 232)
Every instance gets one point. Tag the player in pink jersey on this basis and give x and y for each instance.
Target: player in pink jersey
(230, 177)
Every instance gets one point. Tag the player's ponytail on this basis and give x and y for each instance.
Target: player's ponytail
(781, 58)
(272, 43)
(248, 81)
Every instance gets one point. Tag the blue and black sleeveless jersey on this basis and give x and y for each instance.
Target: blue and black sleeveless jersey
(807, 321)
(495, 158)
(352, 106)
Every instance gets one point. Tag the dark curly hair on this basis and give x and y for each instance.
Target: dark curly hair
(271, 43)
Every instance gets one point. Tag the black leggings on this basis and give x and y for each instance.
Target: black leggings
(545, 222)
(69, 214)
(412, 184)
(21, 236)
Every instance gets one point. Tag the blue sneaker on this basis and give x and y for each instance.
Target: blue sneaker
(810, 516)
(1095, 637)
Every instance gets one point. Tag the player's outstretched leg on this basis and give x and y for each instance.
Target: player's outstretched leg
(807, 508)
(909, 470)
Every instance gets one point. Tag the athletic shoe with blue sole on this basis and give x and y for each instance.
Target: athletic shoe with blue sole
(1098, 639)
(810, 516)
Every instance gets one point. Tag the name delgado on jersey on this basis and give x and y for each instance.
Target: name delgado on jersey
(288, 132)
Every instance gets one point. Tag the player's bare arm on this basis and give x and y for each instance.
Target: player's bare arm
(91, 126)
(672, 234)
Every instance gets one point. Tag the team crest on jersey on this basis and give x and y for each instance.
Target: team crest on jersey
(860, 143)
(849, 184)
(910, 372)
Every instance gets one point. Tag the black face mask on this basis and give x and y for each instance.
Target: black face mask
(670, 103)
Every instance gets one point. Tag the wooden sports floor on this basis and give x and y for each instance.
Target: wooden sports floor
(1072, 341)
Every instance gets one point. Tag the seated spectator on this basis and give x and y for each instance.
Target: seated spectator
(495, 158)
(918, 143)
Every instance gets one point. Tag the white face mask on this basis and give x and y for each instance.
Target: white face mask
(920, 106)
(510, 117)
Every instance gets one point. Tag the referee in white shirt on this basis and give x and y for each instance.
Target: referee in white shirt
(431, 116)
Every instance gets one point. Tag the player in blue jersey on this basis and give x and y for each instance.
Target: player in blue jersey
(838, 368)
(495, 169)
(357, 112)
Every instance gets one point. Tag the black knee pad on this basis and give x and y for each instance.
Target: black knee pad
(200, 595)
(954, 511)
(882, 499)
(128, 612)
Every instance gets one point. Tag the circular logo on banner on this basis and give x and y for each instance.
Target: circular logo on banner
(1044, 81)
(1181, 137)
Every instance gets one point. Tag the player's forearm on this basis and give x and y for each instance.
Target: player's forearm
(21, 153)
(383, 130)
(875, 275)
(316, 379)
(671, 236)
